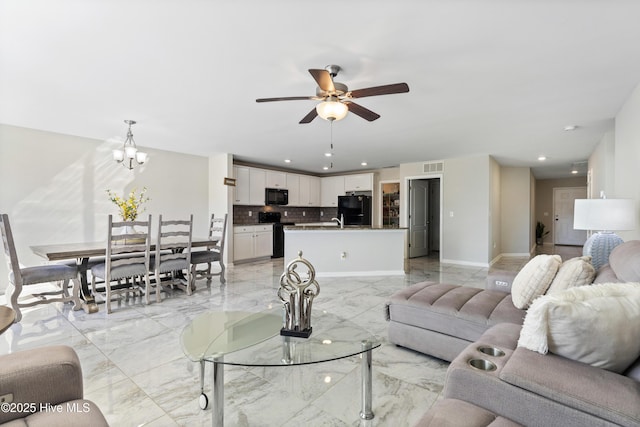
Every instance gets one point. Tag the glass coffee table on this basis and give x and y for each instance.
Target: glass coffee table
(253, 339)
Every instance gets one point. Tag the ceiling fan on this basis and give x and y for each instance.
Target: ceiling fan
(337, 98)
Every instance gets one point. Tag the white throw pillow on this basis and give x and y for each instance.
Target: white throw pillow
(534, 279)
(575, 272)
(597, 324)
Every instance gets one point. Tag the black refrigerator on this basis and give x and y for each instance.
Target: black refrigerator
(356, 210)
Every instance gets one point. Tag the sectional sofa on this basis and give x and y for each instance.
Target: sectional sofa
(578, 366)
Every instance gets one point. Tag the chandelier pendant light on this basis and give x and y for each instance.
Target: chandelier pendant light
(129, 152)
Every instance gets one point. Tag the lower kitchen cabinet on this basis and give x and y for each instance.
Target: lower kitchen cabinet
(252, 241)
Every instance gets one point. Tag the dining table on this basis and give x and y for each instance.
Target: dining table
(83, 252)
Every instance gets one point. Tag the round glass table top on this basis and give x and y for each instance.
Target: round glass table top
(253, 339)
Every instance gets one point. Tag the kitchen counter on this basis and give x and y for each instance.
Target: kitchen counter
(348, 251)
(323, 226)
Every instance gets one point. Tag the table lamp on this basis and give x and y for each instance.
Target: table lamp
(603, 216)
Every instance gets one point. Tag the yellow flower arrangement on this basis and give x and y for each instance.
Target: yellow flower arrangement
(130, 207)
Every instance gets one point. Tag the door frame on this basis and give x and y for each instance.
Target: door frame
(404, 206)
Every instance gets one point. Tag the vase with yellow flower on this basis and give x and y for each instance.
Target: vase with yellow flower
(130, 207)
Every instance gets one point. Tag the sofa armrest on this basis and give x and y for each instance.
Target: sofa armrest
(46, 375)
(500, 280)
(596, 391)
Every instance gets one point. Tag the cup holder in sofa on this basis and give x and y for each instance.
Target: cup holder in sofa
(491, 351)
(482, 364)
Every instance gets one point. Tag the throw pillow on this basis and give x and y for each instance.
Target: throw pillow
(597, 324)
(534, 279)
(574, 272)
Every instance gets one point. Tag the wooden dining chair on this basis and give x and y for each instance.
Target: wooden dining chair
(19, 277)
(126, 264)
(215, 253)
(173, 254)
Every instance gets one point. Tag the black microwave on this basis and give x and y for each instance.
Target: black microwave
(276, 196)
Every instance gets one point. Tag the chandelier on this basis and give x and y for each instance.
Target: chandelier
(129, 152)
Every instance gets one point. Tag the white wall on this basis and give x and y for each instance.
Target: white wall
(515, 183)
(53, 188)
(465, 222)
(602, 177)
(627, 156)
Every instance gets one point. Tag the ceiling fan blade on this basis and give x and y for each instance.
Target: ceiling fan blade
(380, 90)
(309, 117)
(324, 80)
(286, 98)
(362, 112)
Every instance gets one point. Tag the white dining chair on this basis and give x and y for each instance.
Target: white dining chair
(126, 265)
(20, 277)
(215, 253)
(172, 257)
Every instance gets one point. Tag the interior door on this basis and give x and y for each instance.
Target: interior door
(418, 218)
(563, 201)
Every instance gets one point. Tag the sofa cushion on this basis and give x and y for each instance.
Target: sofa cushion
(574, 272)
(455, 310)
(534, 279)
(624, 259)
(597, 324)
(454, 412)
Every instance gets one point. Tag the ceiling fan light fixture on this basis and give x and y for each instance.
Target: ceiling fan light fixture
(332, 109)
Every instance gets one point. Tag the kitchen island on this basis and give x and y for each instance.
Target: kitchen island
(348, 251)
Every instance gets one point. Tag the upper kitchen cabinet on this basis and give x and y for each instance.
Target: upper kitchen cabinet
(250, 185)
(276, 179)
(293, 185)
(309, 191)
(359, 182)
(330, 188)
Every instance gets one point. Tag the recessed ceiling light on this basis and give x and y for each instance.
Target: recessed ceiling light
(574, 171)
(287, 160)
(363, 164)
(325, 168)
(328, 154)
(542, 158)
(570, 127)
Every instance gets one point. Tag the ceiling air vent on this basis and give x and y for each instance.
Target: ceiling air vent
(433, 167)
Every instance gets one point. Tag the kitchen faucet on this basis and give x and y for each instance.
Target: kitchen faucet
(340, 221)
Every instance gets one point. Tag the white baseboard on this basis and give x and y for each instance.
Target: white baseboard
(466, 263)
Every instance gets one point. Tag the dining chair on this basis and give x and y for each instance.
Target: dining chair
(19, 277)
(126, 264)
(217, 231)
(173, 254)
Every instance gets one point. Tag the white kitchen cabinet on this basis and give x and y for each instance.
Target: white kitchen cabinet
(293, 185)
(275, 179)
(241, 190)
(309, 191)
(252, 241)
(250, 185)
(358, 182)
(330, 188)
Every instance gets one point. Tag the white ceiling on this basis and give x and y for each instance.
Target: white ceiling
(486, 76)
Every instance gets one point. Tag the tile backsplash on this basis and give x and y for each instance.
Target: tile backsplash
(294, 214)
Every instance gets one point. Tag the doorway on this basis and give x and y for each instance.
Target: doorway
(563, 203)
(424, 217)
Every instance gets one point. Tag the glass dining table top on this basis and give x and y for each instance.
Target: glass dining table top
(253, 339)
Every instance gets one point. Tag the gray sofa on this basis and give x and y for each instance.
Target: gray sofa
(43, 387)
(522, 387)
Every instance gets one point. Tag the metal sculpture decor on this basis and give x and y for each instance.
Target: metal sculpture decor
(297, 296)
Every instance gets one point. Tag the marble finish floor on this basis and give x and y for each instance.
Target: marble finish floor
(135, 371)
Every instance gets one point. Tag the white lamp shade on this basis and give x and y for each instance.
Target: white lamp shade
(118, 155)
(130, 151)
(332, 110)
(141, 157)
(604, 214)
